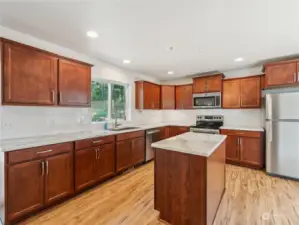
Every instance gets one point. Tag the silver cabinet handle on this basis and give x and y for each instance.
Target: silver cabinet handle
(53, 95)
(99, 153)
(96, 150)
(60, 96)
(98, 141)
(42, 152)
(133, 143)
(43, 168)
(295, 76)
(47, 167)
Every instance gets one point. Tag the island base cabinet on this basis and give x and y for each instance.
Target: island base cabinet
(25, 189)
(189, 188)
(59, 177)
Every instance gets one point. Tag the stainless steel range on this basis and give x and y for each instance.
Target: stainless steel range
(207, 124)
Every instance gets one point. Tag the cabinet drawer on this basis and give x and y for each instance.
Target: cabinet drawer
(130, 135)
(38, 152)
(242, 133)
(93, 142)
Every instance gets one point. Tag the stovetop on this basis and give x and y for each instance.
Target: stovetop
(208, 122)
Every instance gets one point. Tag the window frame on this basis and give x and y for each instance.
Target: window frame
(109, 112)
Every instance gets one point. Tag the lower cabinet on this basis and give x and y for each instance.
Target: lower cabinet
(244, 148)
(36, 183)
(129, 153)
(93, 165)
(177, 130)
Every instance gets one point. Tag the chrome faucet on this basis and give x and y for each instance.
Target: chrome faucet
(116, 117)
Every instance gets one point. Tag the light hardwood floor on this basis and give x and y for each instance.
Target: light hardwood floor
(251, 198)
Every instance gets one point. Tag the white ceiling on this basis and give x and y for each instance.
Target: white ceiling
(207, 35)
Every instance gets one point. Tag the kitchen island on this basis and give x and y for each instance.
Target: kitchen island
(189, 178)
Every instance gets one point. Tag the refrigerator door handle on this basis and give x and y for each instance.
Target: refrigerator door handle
(268, 107)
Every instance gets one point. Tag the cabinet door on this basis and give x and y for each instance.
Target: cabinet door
(59, 177)
(199, 85)
(251, 92)
(179, 97)
(156, 96)
(188, 98)
(147, 95)
(251, 151)
(25, 188)
(123, 155)
(138, 150)
(29, 76)
(85, 168)
(214, 83)
(231, 94)
(167, 97)
(74, 83)
(105, 161)
(279, 74)
(232, 148)
(181, 130)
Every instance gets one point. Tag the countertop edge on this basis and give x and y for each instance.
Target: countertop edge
(258, 129)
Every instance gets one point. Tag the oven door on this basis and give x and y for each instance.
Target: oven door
(208, 100)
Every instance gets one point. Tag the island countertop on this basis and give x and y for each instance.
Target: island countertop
(192, 143)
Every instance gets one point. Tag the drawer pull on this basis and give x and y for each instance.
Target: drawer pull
(42, 152)
(43, 168)
(95, 142)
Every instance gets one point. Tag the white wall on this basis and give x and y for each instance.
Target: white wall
(232, 117)
(22, 121)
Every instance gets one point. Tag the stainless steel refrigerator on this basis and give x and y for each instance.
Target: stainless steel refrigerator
(282, 134)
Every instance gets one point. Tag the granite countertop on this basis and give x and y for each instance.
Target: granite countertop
(29, 142)
(192, 143)
(247, 128)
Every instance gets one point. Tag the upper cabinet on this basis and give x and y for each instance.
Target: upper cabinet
(167, 97)
(147, 95)
(242, 92)
(208, 84)
(183, 95)
(74, 83)
(281, 73)
(35, 77)
(29, 76)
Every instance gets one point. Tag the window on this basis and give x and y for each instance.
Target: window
(108, 100)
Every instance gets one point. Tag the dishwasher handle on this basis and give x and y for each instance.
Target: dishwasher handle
(152, 132)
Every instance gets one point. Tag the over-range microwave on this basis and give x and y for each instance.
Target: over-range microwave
(207, 100)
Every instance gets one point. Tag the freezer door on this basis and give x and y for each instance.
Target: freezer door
(282, 106)
(282, 148)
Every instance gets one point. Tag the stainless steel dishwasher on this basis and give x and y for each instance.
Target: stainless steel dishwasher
(152, 136)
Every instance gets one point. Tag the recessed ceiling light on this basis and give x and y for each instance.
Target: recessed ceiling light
(170, 72)
(239, 59)
(92, 34)
(126, 61)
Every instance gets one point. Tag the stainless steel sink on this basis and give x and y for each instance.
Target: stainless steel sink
(123, 128)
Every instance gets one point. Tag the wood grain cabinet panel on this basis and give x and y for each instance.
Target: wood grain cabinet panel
(147, 95)
(59, 177)
(250, 151)
(184, 97)
(29, 76)
(208, 84)
(85, 168)
(123, 155)
(138, 150)
(199, 85)
(105, 161)
(232, 148)
(250, 92)
(74, 83)
(25, 188)
(281, 73)
(167, 97)
(231, 94)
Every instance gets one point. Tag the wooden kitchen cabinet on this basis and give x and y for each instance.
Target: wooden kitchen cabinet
(74, 83)
(183, 96)
(206, 84)
(242, 93)
(245, 148)
(281, 73)
(25, 189)
(167, 97)
(138, 150)
(105, 165)
(59, 177)
(32, 76)
(177, 130)
(29, 76)
(130, 150)
(37, 177)
(147, 95)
